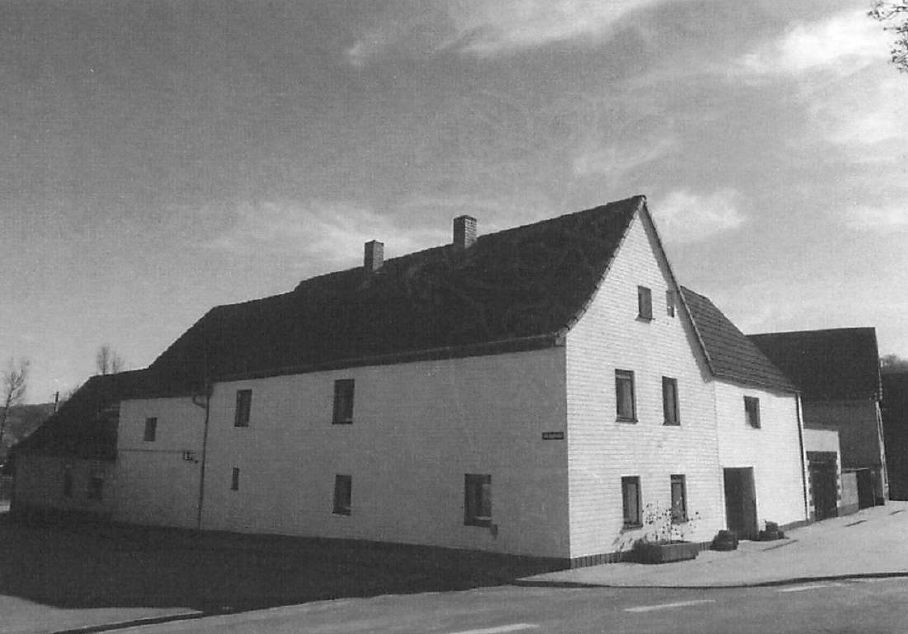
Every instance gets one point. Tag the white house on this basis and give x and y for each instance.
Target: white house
(537, 391)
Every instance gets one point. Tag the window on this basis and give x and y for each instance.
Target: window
(243, 408)
(752, 411)
(96, 487)
(679, 499)
(343, 402)
(644, 303)
(343, 494)
(670, 401)
(624, 395)
(235, 479)
(630, 500)
(670, 303)
(151, 429)
(477, 502)
(67, 481)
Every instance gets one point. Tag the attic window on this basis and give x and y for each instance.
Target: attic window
(670, 303)
(243, 408)
(343, 401)
(752, 411)
(644, 303)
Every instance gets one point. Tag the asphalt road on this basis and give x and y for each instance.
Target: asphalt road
(868, 605)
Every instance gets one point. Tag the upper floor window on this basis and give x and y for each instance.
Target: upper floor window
(243, 408)
(343, 494)
(624, 395)
(644, 303)
(670, 303)
(343, 401)
(752, 411)
(630, 501)
(235, 479)
(151, 429)
(670, 401)
(477, 503)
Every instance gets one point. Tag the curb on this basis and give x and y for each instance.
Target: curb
(119, 625)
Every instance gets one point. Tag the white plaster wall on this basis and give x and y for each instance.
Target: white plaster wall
(418, 429)
(773, 450)
(155, 485)
(609, 336)
(39, 483)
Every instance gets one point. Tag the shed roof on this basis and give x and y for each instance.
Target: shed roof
(836, 364)
(731, 355)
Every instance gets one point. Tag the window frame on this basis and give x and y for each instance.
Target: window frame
(752, 411)
(679, 480)
(243, 411)
(343, 494)
(673, 402)
(637, 520)
(477, 499)
(644, 303)
(150, 433)
(344, 401)
(620, 415)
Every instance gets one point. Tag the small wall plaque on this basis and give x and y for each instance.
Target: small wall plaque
(553, 435)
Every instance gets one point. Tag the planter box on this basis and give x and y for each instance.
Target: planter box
(664, 553)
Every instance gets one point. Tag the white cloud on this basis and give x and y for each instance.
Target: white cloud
(683, 216)
(883, 219)
(619, 159)
(842, 44)
(483, 28)
(866, 111)
(319, 235)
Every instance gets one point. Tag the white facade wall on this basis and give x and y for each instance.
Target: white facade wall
(418, 428)
(39, 483)
(773, 450)
(156, 482)
(609, 337)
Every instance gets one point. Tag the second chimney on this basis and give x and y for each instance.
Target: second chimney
(464, 231)
(374, 256)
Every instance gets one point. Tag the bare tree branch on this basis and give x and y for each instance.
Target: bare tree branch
(896, 11)
(13, 383)
(107, 361)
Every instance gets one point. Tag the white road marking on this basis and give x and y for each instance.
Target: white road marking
(667, 606)
(515, 627)
(814, 586)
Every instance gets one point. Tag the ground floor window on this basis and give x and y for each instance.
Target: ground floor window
(679, 499)
(343, 494)
(477, 502)
(630, 496)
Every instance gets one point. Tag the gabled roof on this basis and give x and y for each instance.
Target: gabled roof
(838, 364)
(514, 289)
(730, 354)
(85, 426)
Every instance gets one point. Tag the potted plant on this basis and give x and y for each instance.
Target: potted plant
(664, 538)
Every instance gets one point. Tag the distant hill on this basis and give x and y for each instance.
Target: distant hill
(22, 421)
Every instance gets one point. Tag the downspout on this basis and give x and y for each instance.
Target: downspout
(803, 465)
(207, 406)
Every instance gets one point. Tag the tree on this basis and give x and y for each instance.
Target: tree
(107, 361)
(892, 363)
(13, 383)
(894, 13)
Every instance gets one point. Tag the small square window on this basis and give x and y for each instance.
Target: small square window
(235, 479)
(752, 411)
(670, 401)
(644, 303)
(343, 402)
(630, 501)
(624, 396)
(67, 481)
(679, 499)
(151, 429)
(477, 504)
(670, 303)
(343, 494)
(243, 408)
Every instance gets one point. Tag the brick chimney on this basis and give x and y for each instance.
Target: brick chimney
(374, 256)
(464, 231)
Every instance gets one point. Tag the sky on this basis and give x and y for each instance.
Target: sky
(162, 158)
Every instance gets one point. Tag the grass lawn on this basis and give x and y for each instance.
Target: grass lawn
(85, 565)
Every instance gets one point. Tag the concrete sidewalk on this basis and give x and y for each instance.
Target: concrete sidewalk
(872, 542)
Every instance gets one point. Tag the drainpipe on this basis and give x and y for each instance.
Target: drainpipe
(207, 406)
(803, 466)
